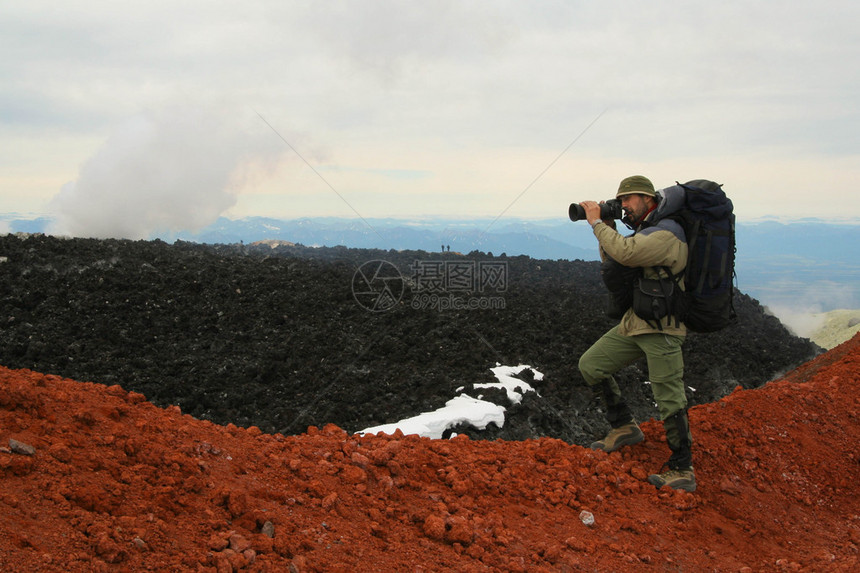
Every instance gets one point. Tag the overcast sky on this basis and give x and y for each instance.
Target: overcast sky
(135, 115)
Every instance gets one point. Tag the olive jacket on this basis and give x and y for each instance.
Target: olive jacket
(651, 246)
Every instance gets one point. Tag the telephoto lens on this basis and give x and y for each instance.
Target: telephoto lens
(576, 212)
(609, 209)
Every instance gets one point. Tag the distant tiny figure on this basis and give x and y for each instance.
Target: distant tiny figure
(449, 248)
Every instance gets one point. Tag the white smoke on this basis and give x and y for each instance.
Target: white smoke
(799, 321)
(804, 309)
(173, 169)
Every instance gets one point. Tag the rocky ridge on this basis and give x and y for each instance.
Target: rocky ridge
(275, 337)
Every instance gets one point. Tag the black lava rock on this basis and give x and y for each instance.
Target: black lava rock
(279, 339)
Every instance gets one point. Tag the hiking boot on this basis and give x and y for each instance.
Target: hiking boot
(617, 438)
(676, 479)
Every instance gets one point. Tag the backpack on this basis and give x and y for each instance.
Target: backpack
(707, 216)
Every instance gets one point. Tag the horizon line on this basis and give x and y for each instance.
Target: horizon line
(17, 216)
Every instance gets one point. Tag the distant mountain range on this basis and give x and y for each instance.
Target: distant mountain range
(805, 266)
(540, 240)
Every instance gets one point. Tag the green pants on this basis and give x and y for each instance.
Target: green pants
(613, 351)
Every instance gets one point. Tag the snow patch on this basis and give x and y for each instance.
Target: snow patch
(507, 381)
(464, 409)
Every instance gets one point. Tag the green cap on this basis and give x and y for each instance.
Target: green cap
(636, 184)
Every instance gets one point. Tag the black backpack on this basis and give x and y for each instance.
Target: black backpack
(708, 219)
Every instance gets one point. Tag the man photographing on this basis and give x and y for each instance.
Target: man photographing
(658, 247)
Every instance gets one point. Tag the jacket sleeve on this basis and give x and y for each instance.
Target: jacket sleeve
(656, 248)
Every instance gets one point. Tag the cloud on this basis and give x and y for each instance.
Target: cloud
(177, 168)
(385, 36)
(739, 92)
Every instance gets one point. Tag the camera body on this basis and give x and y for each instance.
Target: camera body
(609, 209)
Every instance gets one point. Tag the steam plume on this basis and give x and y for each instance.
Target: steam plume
(174, 169)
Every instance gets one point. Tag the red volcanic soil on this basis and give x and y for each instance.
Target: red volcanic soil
(98, 479)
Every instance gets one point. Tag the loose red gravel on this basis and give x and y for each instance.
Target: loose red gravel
(117, 484)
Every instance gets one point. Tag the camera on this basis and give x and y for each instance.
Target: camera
(609, 209)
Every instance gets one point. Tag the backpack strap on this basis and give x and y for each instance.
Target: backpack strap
(673, 307)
